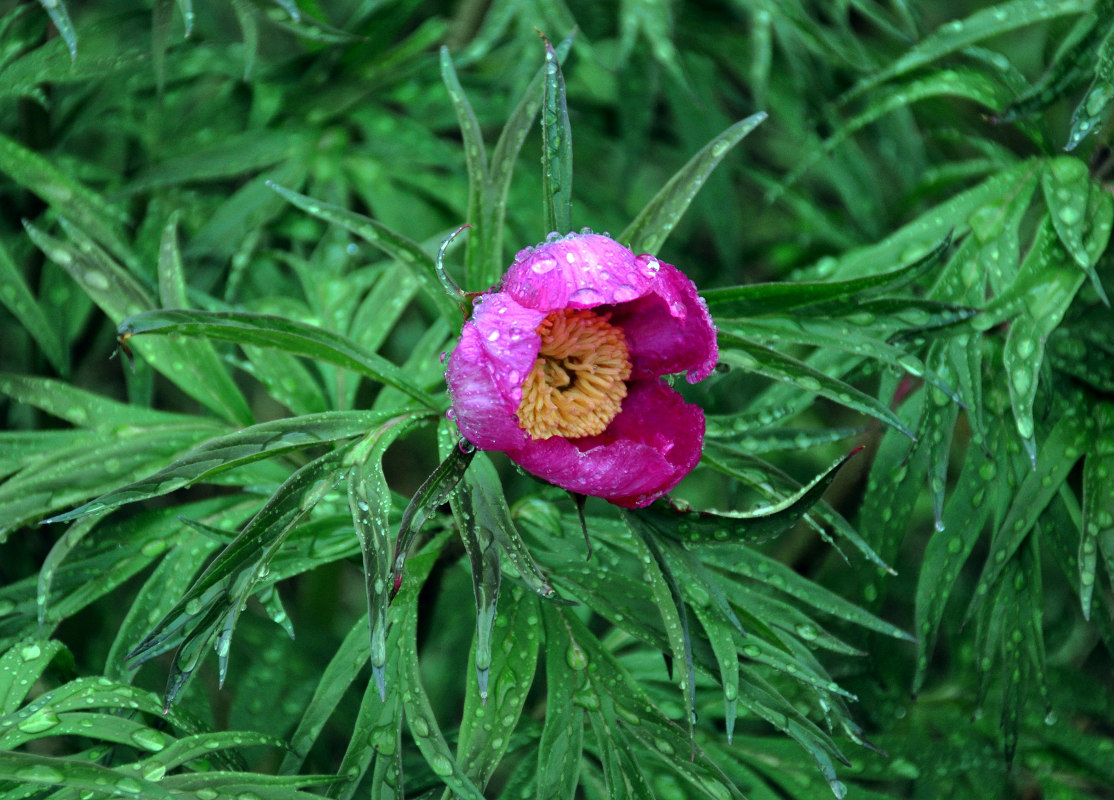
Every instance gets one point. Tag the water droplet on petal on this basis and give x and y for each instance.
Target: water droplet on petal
(492, 336)
(543, 264)
(625, 293)
(587, 296)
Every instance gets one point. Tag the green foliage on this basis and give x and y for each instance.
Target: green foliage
(900, 214)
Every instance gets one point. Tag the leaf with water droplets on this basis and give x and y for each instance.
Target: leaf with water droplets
(561, 743)
(483, 556)
(491, 512)
(254, 443)
(674, 614)
(1099, 95)
(773, 299)
(1098, 508)
(759, 524)
(193, 368)
(408, 253)
(654, 222)
(1063, 446)
(19, 300)
(1024, 349)
(83, 469)
(208, 612)
(556, 147)
(759, 359)
(490, 721)
(947, 551)
(369, 502)
(27, 770)
(622, 716)
(20, 668)
(959, 34)
(282, 333)
(419, 712)
(434, 492)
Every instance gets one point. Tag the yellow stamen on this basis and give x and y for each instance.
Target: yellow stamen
(577, 384)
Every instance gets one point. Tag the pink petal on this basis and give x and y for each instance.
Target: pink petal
(646, 450)
(579, 271)
(498, 348)
(669, 330)
(667, 324)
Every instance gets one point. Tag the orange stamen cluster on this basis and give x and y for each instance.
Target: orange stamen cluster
(578, 384)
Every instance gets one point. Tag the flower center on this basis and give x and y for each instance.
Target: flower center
(577, 384)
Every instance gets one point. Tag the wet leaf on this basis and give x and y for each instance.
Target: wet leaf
(556, 147)
(657, 219)
(264, 330)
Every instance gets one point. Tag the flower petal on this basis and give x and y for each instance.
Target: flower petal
(498, 348)
(646, 450)
(666, 322)
(669, 330)
(582, 270)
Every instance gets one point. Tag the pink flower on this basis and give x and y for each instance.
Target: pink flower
(561, 369)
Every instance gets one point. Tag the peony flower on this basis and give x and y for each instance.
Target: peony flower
(562, 368)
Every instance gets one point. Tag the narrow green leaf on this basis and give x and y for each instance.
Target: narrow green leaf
(1098, 508)
(420, 717)
(1098, 98)
(756, 525)
(753, 357)
(562, 738)
(369, 501)
(483, 556)
(491, 512)
(949, 548)
(1064, 445)
(773, 299)
(434, 492)
(20, 668)
(26, 769)
(674, 615)
(413, 258)
(657, 219)
(86, 409)
(264, 330)
(18, 299)
(959, 34)
(222, 453)
(208, 612)
(482, 746)
(556, 147)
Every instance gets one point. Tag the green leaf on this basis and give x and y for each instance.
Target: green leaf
(562, 738)
(774, 299)
(43, 771)
(1099, 96)
(489, 507)
(419, 713)
(1098, 508)
(408, 253)
(674, 615)
(1064, 445)
(18, 299)
(756, 525)
(959, 34)
(481, 745)
(263, 330)
(266, 440)
(208, 612)
(435, 491)
(657, 219)
(766, 361)
(20, 668)
(556, 147)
